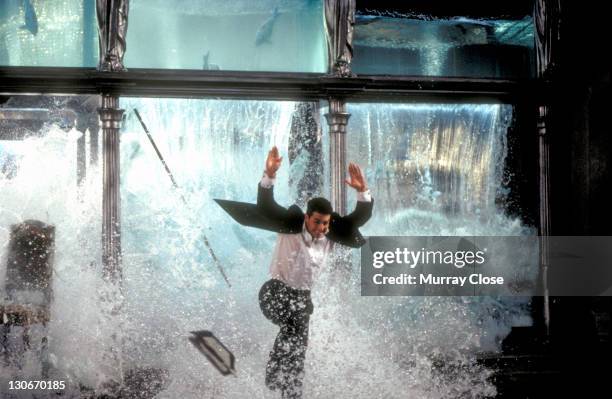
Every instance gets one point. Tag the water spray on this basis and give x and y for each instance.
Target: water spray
(169, 173)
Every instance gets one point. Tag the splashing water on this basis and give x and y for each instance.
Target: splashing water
(431, 170)
(44, 187)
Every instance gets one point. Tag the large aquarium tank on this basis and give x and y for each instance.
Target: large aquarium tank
(422, 45)
(433, 170)
(263, 35)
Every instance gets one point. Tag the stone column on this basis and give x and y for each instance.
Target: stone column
(110, 121)
(337, 119)
(547, 35)
(544, 191)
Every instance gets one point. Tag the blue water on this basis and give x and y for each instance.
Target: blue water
(227, 35)
(181, 34)
(420, 45)
(66, 34)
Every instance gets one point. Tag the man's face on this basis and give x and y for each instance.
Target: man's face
(317, 224)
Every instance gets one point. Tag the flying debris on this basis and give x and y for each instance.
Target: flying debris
(215, 351)
(265, 31)
(30, 20)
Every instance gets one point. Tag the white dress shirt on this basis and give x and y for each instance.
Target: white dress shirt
(298, 259)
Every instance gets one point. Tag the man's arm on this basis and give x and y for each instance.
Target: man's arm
(266, 202)
(363, 209)
(265, 189)
(365, 204)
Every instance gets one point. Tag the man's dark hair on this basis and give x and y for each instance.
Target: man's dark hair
(319, 204)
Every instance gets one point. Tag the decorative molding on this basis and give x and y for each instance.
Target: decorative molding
(264, 85)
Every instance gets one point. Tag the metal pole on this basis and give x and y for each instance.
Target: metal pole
(544, 189)
(337, 119)
(110, 121)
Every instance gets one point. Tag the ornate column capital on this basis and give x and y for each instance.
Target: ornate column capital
(337, 117)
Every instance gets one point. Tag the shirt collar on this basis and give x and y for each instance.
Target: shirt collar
(308, 238)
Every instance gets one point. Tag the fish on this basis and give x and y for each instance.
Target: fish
(30, 20)
(207, 66)
(265, 31)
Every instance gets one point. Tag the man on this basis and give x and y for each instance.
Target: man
(302, 247)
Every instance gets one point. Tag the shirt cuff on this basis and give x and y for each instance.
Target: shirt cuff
(364, 196)
(267, 182)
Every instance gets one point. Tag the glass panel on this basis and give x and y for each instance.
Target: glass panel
(437, 170)
(442, 159)
(50, 247)
(399, 44)
(266, 35)
(59, 33)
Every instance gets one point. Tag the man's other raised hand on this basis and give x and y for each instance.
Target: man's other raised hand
(273, 162)
(357, 181)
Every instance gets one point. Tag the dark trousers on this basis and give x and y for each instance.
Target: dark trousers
(290, 309)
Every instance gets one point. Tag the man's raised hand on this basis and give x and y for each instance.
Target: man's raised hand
(273, 162)
(357, 180)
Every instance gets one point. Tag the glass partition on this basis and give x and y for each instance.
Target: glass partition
(52, 33)
(396, 44)
(266, 35)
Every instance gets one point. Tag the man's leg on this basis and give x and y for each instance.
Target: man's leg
(290, 309)
(273, 300)
(294, 335)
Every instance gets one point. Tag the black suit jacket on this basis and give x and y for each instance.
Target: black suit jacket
(342, 229)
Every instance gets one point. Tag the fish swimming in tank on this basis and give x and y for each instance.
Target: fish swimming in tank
(265, 31)
(30, 19)
(208, 66)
